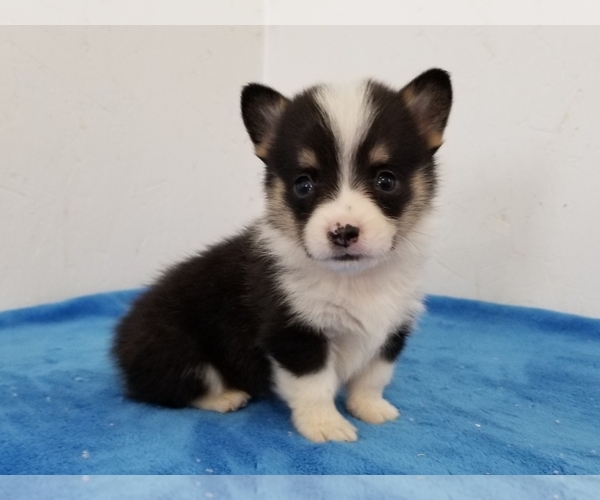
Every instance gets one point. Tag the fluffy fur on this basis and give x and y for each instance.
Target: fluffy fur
(322, 291)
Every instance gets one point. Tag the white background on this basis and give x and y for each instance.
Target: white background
(122, 150)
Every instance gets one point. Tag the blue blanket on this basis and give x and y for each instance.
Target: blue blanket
(484, 389)
(299, 487)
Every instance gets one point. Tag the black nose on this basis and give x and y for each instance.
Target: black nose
(344, 236)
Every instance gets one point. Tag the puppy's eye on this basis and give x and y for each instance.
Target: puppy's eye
(303, 186)
(386, 181)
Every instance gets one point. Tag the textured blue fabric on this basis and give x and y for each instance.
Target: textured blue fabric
(483, 388)
(300, 487)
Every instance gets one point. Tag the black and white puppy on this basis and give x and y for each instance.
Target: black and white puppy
(322, 291)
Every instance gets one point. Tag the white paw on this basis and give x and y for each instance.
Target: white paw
(324, 425)
(372, 409)
(230, 400)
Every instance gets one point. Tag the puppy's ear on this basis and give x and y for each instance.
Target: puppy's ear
(262, 108)
(429, 99)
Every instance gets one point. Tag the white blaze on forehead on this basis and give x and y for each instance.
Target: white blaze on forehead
(350, 115)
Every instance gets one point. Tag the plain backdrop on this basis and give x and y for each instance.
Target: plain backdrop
(122, 150)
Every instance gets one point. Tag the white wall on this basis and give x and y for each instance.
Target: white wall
(122, 150)
(519, 208)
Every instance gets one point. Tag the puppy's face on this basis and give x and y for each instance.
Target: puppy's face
(349, 170)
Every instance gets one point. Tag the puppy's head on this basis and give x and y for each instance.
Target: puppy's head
(349, 170)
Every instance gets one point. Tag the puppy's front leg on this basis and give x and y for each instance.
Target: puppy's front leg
(365, 391)
(305, 378)
(311, 399)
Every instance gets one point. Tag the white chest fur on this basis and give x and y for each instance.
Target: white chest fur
(356, 311)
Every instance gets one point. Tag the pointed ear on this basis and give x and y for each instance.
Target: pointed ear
(262, 108)
(429, 99)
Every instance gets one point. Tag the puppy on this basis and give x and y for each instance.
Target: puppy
(322, 291)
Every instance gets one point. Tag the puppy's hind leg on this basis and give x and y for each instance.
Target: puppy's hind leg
(228, 400)
(218, 397)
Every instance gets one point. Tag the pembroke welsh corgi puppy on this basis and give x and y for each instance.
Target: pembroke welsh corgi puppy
(320, 292)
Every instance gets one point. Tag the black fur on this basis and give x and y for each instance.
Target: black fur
(433, 109)
(303, 126)
(260, 107)
(297, 347)
(219, 306)
(395, 343)
(394, 127)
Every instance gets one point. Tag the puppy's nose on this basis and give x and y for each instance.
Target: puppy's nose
(344, 236)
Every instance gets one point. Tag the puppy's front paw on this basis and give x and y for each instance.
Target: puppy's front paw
(324, 425)
(372, 409)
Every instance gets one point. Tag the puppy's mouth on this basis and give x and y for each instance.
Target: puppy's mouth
(347, 257)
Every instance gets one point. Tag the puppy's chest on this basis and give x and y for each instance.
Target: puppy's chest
(357, 315)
